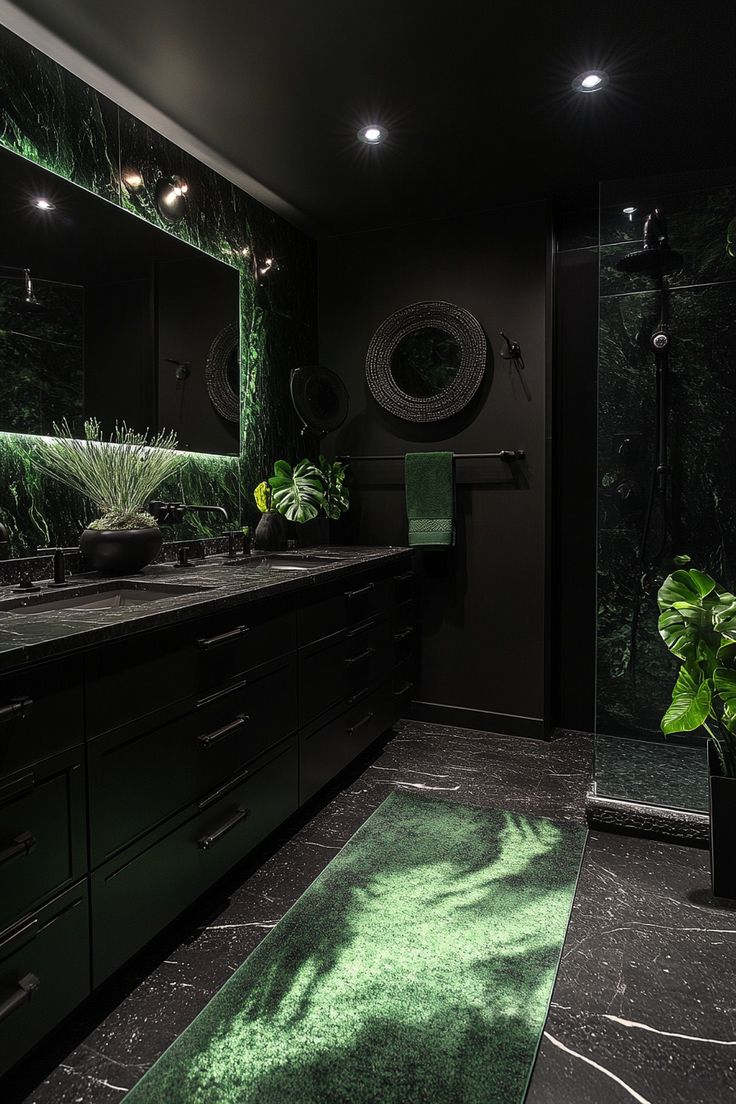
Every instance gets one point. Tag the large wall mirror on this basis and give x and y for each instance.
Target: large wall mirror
(103, 315)
(426, 361)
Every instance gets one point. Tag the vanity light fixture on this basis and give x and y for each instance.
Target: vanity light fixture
(133, 179)
(171, 198)
(44, 204)
(373, 134)
(268, 266)
(592, 80)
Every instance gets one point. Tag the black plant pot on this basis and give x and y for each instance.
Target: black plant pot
(120, 551)
(722, 800)
(270, 534)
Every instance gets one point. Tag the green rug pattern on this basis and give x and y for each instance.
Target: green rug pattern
(418, 967)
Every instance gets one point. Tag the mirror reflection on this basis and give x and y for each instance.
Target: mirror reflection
(425, 361)
(103, 315)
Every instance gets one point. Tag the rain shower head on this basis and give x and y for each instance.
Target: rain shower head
(651, 262)
(656, 258)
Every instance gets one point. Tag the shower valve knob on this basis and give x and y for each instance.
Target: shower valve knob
(660, 340)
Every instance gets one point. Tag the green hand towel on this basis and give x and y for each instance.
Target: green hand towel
(430, 498)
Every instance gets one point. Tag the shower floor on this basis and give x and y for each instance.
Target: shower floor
(652, 773)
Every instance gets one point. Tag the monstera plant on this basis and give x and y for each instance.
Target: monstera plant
(697, 622)
(305, 490)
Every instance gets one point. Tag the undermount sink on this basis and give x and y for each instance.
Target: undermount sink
(284, 561)
(296, 561)
(106, 595)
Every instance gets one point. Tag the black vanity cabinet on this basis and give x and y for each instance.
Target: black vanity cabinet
(44, 915)
(136, 774)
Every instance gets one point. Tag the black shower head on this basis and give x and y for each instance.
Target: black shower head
(651, 262)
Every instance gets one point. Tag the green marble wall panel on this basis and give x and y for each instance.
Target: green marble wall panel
(634, 670)
(51, 117)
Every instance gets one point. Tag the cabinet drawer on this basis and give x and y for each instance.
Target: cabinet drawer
(41, 713)
(42, 833)
(405, 585)
(44, 972)
(140, 891)
(333, 671)
(326, 750)
(137, 782)
(148, 680)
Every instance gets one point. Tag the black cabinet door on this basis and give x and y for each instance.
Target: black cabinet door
(145, 887)
(44, 971)
(326, 750)
(41, 713)
(43, 838)
(138, 781)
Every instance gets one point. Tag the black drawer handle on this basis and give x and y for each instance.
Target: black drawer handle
(210, 738)
(207, 642)
(206, 841)
(359, 695)
(18, 707)
(19, 845)
(361, 628)
(405, 578)
(404, 690)
(354, 728)
(404, 633)
(25, 989)
(363, 590)
(361, 657)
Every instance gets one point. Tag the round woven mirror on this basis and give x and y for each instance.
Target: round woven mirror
(222, 372)
(426, 361)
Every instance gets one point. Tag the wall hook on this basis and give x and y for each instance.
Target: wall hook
(512, 351)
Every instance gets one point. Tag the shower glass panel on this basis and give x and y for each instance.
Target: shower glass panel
(666, 459)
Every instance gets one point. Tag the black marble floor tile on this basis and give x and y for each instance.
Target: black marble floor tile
(644, 1008)
(638, 903)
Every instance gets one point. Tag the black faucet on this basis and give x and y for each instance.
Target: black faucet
(172, 513)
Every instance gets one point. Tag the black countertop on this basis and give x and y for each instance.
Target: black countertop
(27, 637)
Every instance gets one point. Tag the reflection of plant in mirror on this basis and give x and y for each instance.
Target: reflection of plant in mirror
(336, 494)
(119, 476)
(425, 361)
(698, 624)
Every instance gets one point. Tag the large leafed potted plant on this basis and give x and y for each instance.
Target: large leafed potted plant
(300, 494)
(698, 624)
(119, 477)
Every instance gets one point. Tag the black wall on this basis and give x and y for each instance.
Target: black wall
(484, 602)
(574, 479)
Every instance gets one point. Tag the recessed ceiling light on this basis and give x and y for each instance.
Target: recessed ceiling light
(44, 204)
(372, 134)
(592, 80)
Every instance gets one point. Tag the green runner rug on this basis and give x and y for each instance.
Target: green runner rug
(417, 967)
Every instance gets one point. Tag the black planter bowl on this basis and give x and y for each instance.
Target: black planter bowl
(120, 551)
(722, 800)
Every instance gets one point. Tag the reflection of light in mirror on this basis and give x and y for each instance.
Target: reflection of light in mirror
(133, 179)
(44, 204)
(629, 212)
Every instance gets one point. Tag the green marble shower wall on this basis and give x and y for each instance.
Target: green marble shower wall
(635, 672)
(56, 120)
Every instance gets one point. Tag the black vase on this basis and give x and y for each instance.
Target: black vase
(722, 801)
(120, 551)
(270, 534)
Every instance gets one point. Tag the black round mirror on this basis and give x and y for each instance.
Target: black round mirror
(425, 361)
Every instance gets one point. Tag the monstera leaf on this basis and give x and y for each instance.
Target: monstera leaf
(724, 683)
(691, 701)
(336, 494)
(689, 601)
(297, 492)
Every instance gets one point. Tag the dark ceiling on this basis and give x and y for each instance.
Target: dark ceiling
(476, 95)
